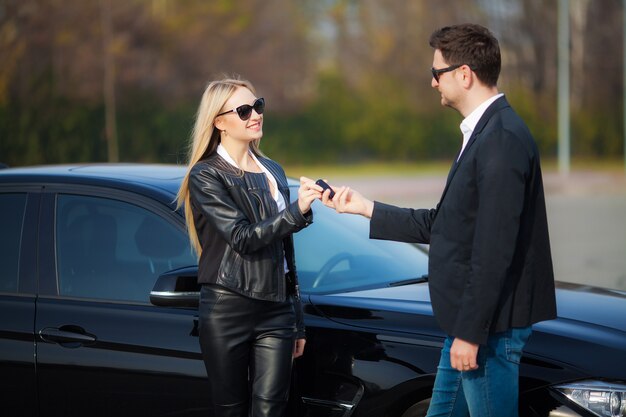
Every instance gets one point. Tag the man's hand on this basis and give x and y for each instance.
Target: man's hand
(347, 200)
(463, 355)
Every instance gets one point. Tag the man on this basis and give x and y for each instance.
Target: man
(490, 268)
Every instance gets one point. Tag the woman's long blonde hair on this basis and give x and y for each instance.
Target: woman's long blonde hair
(205, 138)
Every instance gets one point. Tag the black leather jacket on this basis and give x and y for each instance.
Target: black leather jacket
(244, 239)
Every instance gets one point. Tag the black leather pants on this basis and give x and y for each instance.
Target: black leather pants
(247, 348)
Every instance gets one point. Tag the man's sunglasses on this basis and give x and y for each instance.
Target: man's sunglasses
(245, 111)
(437, 72)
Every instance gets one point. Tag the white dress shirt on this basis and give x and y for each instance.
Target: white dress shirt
(469, 123)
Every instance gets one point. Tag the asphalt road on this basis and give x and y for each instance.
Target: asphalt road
(586, 215)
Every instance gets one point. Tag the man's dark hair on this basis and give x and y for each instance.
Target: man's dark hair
(470, 44)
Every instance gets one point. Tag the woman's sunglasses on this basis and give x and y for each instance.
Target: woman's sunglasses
(245, 111)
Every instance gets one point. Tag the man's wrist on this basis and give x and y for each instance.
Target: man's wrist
(369, 209)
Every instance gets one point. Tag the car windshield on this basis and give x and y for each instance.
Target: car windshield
(335, 254)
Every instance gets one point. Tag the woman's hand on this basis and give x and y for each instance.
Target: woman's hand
(307, 194)
(298, 348)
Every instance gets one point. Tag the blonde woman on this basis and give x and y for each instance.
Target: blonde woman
(240, 222)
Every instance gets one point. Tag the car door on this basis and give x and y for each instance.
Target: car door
(102, 348)
(18, 229)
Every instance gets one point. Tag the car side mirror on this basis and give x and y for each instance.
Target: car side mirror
(177, 288)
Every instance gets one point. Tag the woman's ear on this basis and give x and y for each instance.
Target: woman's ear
(219, 123)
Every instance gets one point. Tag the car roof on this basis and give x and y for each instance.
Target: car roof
(165, 178)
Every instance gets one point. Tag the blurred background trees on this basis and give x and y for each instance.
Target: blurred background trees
(345, 80)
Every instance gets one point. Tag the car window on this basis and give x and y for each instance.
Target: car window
(11, 223)
(336, 254)
(109, 249)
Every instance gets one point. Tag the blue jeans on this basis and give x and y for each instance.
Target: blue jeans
(492, 390)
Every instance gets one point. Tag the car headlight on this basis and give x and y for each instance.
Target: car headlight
(603, 399)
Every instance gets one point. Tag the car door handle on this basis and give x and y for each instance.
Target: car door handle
(67, 336)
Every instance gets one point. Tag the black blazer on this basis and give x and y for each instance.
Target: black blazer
(490, 265)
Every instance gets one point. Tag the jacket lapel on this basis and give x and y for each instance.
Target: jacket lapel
(283, 185)
(496, 106)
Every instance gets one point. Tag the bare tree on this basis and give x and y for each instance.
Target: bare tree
(110, 120)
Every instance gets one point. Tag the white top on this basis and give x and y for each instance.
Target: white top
(469, 123)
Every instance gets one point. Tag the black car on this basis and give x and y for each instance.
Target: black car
(98, 318)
